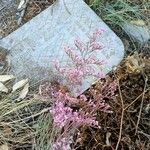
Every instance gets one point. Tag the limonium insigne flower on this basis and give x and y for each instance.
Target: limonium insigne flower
(70, 113)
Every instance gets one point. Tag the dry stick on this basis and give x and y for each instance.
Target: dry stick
(147, 135)
(133, 101)
(136, 99)
(32, 116)
(122, 115)
(139, 116)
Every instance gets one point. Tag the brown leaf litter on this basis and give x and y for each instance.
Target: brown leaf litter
(127, 128)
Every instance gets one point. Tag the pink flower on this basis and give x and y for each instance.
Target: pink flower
(100, 75)
(72, 53)
(83, 61)
(64, 114)
(93, 60)
(59, 68)
(70, 113)
(96, 35)
(63, 144)
(96, 46)
(79, 45)
(85, 119)
(61, 114)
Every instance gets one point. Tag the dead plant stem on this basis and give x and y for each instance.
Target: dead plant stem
(141, 106)
(122, 116)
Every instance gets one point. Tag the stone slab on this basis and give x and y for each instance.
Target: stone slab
(36, 44)
(141, 34)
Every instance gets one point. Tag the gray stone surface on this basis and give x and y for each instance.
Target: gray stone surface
(140, 34)
(36, 44)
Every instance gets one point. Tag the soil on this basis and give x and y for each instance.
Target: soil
(10, 14)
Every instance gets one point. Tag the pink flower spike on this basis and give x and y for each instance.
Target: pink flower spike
(79, 45)
(63, 144)
(58, 67)
(96, 34)
(96, 46)
(101, 75)
(101, 30)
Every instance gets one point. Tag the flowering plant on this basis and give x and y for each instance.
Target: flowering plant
(70, 113)
(84, 61)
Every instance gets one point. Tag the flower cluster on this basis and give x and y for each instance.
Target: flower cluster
(84, 62)
(70, 113)
(63, 144)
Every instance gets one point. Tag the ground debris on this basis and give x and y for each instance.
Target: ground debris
(133, 90)
(11, 18)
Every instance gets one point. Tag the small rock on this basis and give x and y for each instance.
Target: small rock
(140, 34)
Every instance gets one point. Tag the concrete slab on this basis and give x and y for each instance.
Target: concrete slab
(35, 45)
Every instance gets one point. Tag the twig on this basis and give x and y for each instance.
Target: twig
(32, 116)
(133, 101)
(122, 116)
(147, 135)
(141, 106)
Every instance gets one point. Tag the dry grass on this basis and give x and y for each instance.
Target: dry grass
(18, 120)
(117, 12)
